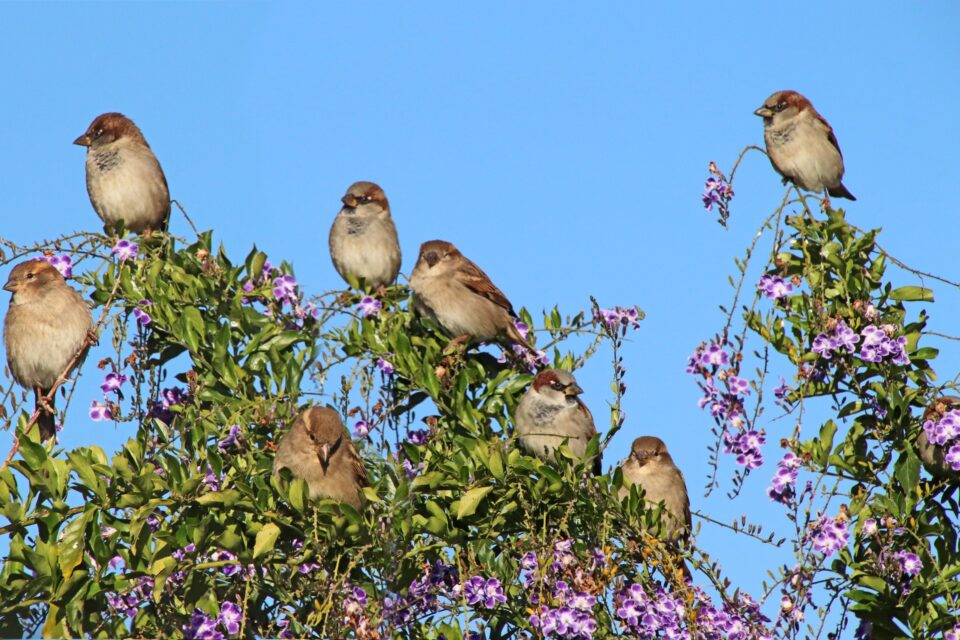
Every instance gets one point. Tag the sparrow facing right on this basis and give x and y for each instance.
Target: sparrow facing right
(124, 178)
(46, 325)
(801, 144)
(363, 238)
(318, 450)
(550, 412)
(459, 296)
(651, 467)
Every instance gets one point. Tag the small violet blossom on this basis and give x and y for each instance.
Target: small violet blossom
(774, 287)
(62, 263)
(125, 250)
(369, 307)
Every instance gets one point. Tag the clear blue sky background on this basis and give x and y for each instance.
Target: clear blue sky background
(562, 148)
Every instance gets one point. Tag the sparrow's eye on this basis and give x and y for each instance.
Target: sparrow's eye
(558, 386)
(780, 106)
(30, 276)
(98, 133)
(365, 199)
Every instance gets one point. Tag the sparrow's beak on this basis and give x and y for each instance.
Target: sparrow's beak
(573, 390)
(324, 454)
(763, 112)
(349, 201)
(11, 286)
(431, 257)
(83, 141)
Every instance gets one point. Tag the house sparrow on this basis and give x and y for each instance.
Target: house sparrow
(124, 178)
(458, 295)
(651, 467)
(801, 144)
(363, 238)
(318, 450)
(934, 456)
(550, 412)
(46, 326)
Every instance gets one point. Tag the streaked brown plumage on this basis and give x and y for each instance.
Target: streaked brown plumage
(459, 296)
(318, 450)
(124, 178)
(46, 325)
(363, 238)
(550, 412)
(651, 467)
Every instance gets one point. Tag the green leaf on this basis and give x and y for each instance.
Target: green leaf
(71, 546)
(266, 539)
(912, 294)
(470, 500)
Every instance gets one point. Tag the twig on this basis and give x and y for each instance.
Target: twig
(184, 212)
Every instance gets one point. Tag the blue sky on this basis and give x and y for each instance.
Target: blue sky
(562, 148)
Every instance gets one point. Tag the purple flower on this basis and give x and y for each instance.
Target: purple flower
(230, 617)
(953, 457)
(210, 479)
(153, 522)
(361, 429)
(909, 563)
(232, 439)
(746, 446)
(355, 602)
(224, 555)
(409, 470)
(116, 563)
(125, 250)
(714, 355)
(201, 627)
(418, 436)
(486, 592)
(869, 527)
(774, 287)
(285, 289)
(828, 535)
(62, 263)
(142, 316)
(717, 192)
(626, 317)
(738, 386)
(369, 306)
(160, 409)
(180, 554)
(112, 382)
(100, 411)
(384, 365)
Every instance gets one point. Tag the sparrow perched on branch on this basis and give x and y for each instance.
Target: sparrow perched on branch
(650, 466)
(363, 238)
(124, 178)
(318, 450)
(550, 412)
(458, 295)
(801, 144)
(47, 325)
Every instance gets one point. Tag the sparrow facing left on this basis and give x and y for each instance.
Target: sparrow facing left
(363, 238)
(550, 412)
(458, 295)
(801, 144)
(318, 450)
(651, 467)
(46, 325)
(124, 178)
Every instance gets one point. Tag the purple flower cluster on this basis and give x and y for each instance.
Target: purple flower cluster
(233, 439)
(626, 317)
(162, 409)
(210, 479)
(570, 617)
(781, 487)
(369, 307)
(828, 535)
(650, 614)
(129, 603)
(945, 432)
(774, 287)
(140, 313)
(567, 613)
(100, 411)
(62, 263)
(285, 291)
(876, 343)
(717, 192)
(485, 592)
(112, 382)
(125, 250)
(384, 365)
(746, 446)
(908, 563)
(361, 429)
(533, 359)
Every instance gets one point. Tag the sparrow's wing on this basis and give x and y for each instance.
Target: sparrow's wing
(477, 281)
(359, 471)
(825, 126)
(590, 430)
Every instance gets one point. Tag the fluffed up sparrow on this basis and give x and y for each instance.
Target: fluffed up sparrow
(650, 466)
(124, 178)
(363, 238)
(801, 144)
(47, 324)
(318, 450)
(551, 412)
(458, 295)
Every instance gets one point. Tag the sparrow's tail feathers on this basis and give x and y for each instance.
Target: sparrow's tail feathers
(841, 191)
(47, 420)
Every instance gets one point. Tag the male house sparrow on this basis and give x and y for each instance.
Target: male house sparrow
(801, 144)
(651, 467)
(124, 178)
(317, 450)
(458, 295)
(363, 238)
(550, 412)
(46, 325)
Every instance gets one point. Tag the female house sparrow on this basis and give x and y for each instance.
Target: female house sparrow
(651, 467)
(801, 144)
(458, 295)
(550, 412)
(318, 450)
(124, 178)
(363, 238)
(46, 326)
